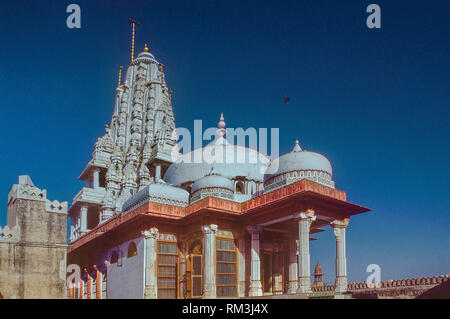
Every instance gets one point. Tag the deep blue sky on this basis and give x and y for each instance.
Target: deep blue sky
(375, 102)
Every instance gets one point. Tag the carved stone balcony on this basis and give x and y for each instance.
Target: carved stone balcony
(90, 195)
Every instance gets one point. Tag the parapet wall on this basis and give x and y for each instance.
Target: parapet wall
(33, 245)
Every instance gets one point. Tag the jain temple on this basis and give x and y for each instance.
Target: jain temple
(152, 222)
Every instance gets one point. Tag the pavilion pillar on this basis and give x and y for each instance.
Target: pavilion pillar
(209, 232)
(96, 178)
(151, 285)
(241, 266)
(304, 270)
(255, 272)
(293, 266)
(339, 227)
(157, 173)
(83, 219)
(72, 229)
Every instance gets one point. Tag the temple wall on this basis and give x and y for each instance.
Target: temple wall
(126, 277)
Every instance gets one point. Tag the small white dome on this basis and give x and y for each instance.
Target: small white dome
(159, 193)
(296, 165)
(299, 159)
(212, 181)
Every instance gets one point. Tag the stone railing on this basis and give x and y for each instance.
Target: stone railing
(409, 282)
(323, 288)
(388, 284)
(303, 185)
(90, 195)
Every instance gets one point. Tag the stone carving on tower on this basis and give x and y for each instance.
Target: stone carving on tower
(142, 125)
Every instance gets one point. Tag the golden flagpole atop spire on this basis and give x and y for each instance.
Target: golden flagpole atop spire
(120, 75)
(134, 24)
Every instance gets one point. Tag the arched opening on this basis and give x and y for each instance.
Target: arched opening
(132, 250)
(239, 188)
(195, 247)
(114, 257)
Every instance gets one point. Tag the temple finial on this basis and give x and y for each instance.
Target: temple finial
(120, 76)
(146, 49)
(134, 24)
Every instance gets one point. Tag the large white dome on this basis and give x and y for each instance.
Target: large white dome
(220, 157)
(240, 161)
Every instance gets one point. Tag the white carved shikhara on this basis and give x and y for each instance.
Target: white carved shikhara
(141, 128)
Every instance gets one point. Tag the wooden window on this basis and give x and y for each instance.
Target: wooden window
(226, 268)
(197, 272)
(167, 270)
(104, 284)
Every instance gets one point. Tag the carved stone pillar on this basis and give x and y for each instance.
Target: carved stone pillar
(339, 227)
(255, 272)
(304, 270)
(209, 232)
(293, 266)
(151, 281)
(83, 220)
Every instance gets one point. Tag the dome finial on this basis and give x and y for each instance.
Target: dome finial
(221, 121)
(146, 49)
(221, 125)
(297, 147)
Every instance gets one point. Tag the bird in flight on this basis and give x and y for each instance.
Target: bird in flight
(286, 99)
